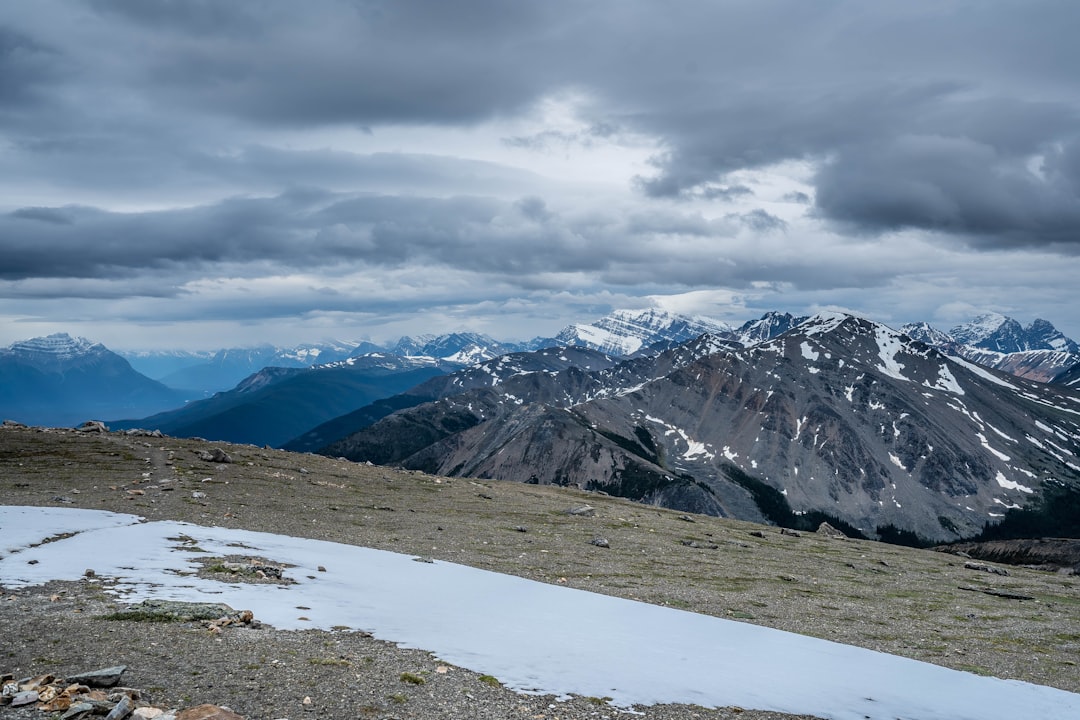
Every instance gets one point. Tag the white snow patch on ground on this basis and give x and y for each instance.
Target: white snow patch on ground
(946, 381)
(808, 352)
(888, 346)
(823, 322)
(729, 454)
(981, 372)
(534, 637)
(1010, 439)
(1011, 485)
(896, 461)
(999, 455)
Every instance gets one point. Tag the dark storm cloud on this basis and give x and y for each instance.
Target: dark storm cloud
(520, 242)
(956, 118)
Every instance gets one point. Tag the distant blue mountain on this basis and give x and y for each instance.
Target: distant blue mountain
(60, 381)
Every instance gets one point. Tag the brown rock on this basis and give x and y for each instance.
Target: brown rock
(208, 712)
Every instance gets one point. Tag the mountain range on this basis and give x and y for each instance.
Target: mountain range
(786, 419)
(838, 418)
(1037, 352)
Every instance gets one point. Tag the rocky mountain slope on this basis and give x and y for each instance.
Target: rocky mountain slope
(60, 380)
(839, 416)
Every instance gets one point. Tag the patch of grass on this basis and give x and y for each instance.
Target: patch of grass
(158, 616)
(399, 698)
(412, 678)
(339, 662)
(490, 680)
(976, 669)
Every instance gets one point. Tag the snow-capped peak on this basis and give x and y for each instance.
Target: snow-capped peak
(59, 346)
(624, 332)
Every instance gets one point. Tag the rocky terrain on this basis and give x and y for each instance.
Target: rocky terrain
(838, 418)
(1010, 622)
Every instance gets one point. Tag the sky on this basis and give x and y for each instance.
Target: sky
(205, 174)
(532, 636)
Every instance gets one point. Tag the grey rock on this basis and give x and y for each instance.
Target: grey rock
(216, 455)
(600, 542)
(78, 711)
(829, 531)
(985, 568)
(27, 697)
(122, 709)
(582, 511)
(105, 677)
(93, 426)
(178, 611)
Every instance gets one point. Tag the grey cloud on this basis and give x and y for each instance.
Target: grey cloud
(26, 67)
(952, 186)
(310, 229)
(56, 216)
(759, 220)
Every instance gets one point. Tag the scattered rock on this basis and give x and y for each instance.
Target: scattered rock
(700, 545)
(106, 677)
(792, 533)
(25, 697)
(174, 611)
(582, 511)
(829, 531)
(997, 593)
(985, 568)
(93, 426)
(216, 455)
(687, 518)
(78, 710)
(600, 542)
(757, 533)
(122, 709)
(208, 712)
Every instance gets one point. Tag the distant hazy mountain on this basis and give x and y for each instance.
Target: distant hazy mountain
(838, 417)
(209, 372)
(276, 404)
(62, 381)
(1038, 352)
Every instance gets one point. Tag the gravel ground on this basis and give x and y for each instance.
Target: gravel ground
(919, 604)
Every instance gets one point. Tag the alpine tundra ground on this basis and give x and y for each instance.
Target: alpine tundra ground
(920, 604)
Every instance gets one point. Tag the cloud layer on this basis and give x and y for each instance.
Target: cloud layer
(793, 154)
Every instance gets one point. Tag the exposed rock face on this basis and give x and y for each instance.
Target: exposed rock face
(839, 415)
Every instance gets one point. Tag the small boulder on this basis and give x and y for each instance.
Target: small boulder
(829, 531)
(208, 712)
(106, 677)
